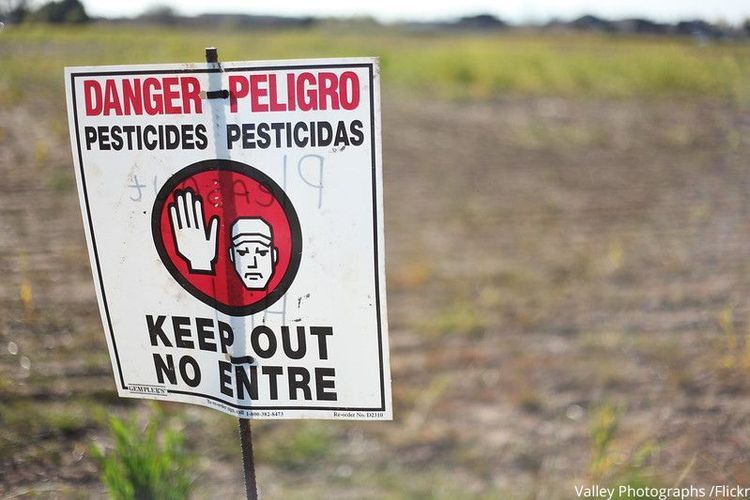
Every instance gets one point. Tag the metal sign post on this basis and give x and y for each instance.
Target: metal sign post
(248, 464)
(246, 435)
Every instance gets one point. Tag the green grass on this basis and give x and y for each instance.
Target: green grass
(450, 65)
(631, 470)
(306, 444)
(604, 424)
(145, 463)
(459, 318)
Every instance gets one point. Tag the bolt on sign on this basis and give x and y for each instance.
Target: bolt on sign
(234, 219)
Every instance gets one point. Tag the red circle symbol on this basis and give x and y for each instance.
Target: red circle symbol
(228, 234)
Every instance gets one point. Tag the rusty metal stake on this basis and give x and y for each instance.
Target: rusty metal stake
(246, 436)
(248, 463)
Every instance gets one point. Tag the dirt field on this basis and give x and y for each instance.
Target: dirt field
(567, 288)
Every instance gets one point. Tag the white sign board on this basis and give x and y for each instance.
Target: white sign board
(234, 220)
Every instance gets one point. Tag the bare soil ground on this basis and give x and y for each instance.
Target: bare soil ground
(548, 259)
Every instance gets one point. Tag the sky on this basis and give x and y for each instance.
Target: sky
(733, 11)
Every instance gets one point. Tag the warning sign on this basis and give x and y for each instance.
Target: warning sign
(234, 219)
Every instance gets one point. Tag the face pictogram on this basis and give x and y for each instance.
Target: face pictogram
(252, 252)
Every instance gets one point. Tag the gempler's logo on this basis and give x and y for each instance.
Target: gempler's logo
(228, 234)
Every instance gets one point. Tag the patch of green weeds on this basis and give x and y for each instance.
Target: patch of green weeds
(630, 476)
(604, 423)
(61, 181)
(39, 420)
(307, 443)
(734, 358)
(26, 424)
(461, 318)
(145, 462)
(473, 66)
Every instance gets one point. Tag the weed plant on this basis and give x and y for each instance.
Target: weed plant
(145, 463)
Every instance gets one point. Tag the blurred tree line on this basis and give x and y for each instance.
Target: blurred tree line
(55, 12)
(73, 12)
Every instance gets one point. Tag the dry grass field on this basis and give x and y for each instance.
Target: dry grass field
(568, 266)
